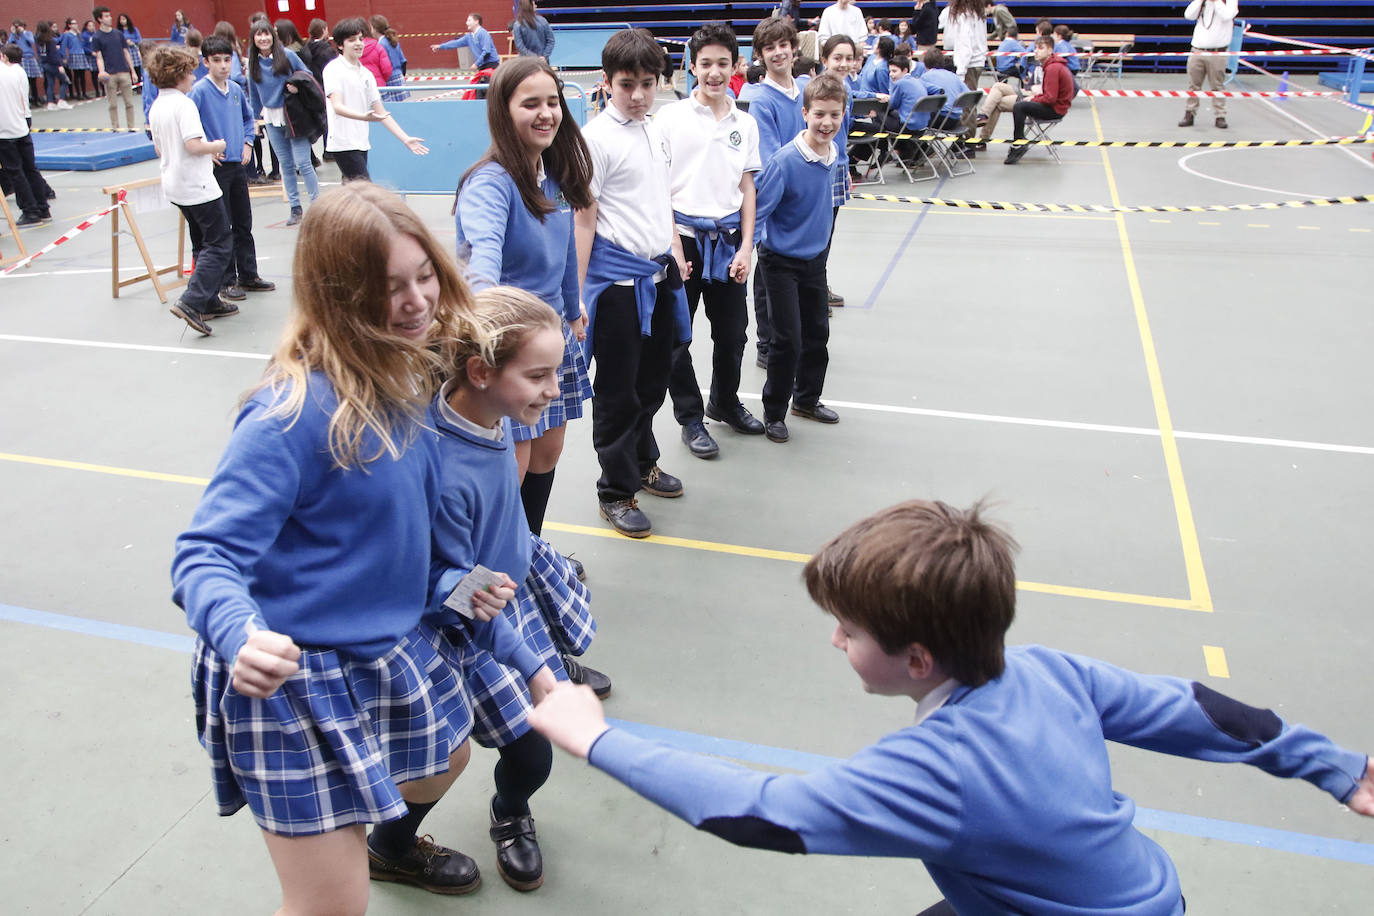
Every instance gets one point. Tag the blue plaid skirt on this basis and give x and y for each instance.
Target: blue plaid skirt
(328, 748)
(575, 386)
(552, 612)
(133, 52)
(397, 78)
(79, 60)
(31, 68)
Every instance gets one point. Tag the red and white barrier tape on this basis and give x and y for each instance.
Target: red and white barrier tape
(1107, 52)
(1328, 49)
(68, 236)
(1205, 94)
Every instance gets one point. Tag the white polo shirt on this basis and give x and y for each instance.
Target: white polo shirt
(186, 179)
(357, 89)
(630, 182)
(709, 156)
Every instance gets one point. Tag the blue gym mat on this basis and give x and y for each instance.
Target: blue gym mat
(90, 152)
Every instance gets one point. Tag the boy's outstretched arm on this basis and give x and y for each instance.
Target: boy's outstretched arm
(1190, 719)
(898, 798)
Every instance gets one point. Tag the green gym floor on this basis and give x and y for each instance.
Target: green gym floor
(1171, 412)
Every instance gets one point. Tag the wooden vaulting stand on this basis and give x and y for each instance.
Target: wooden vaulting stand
(14, 231)
(129, 208)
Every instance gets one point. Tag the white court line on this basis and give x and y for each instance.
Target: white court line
(1183, 164)
(1295, 119)
(110, 345)
(851, 405)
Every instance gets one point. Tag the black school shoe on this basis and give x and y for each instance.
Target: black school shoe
(233, 292)
(1015, 154)
(818, 412)
(518, 858)
(739, 419)
(191, 316)
(699, 441)
(626, 517)
(427, 865)
(579, 673)
(660, 483)
(257, 285)
(219, 309)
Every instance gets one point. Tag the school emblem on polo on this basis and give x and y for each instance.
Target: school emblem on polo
(735, 139)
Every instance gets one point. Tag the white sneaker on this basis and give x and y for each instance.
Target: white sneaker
(63, 105)
(52, 106)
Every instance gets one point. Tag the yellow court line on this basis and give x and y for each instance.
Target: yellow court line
(104, 469)
(789, 556)
(1200, 593)
(1215, 657)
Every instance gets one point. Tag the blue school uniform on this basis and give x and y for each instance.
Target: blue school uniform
(787, 213)
(1066, 50)
(74, 48)
(1005, 791)
(1010, 55)
(946, 83)
(481, 520)
(29, 48)
(270, 92)
(398, 76)
(338, 559)
(132, 39)
(779, 118)
(875, 77)
(908, 91)
(480, 43)
(490, 215)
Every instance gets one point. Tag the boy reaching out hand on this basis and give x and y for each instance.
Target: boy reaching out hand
(1002, 786)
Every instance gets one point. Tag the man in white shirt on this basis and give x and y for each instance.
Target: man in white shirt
(843, 18)
(1212, 33)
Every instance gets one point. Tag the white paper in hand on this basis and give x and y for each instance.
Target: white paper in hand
(460, 599)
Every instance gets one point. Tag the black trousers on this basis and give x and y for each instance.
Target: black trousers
(628, 388)
(1037, 110)
(30, 190)
(728, 313)
(216, 252)
(763, 330)
(352, 163)
(798, 307)
(232, 178)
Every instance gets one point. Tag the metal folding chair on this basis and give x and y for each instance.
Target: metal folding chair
(1103, 66)
(1040, 130)
(949, 147)
(876, 112)
(921, 149)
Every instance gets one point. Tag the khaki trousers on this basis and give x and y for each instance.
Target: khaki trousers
(1001, 98)
(121, 85)
(1213, 67)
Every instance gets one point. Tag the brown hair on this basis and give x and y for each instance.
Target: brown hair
(924, 572)
(382, 27)
(825, 88)
(168, 64)
(338, 323)
(632, 51)
(567, 161)
(501, 319)
(771, 31)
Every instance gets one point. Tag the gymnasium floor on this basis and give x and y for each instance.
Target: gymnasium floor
(1171, 412)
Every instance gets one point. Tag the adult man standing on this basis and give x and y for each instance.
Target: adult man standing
(1212, 34)
(115, 65)
(1003, 22)
(842, 18)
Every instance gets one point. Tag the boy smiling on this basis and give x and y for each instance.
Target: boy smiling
(715, 152)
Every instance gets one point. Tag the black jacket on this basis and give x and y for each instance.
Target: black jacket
(304, 108)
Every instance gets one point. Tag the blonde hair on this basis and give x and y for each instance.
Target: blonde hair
(501, 319)
(339, 324)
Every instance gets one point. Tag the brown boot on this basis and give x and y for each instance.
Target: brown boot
(1187, 119)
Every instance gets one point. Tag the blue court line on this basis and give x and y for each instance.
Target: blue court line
(901, 249)
(1146, 818)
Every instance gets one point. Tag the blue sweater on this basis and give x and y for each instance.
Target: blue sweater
(480, 43)
(271, 92)
(510, 246)
(793, 206)
(948, 84)
(1005, 791)
(285, 538)
(1066, 50)
(779, 118)
(1009, 45)
(908, 91)
(536, 40)
(480, 520)
(224, 115)
(875, 77)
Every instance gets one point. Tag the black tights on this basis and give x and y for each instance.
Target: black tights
(523, 768)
